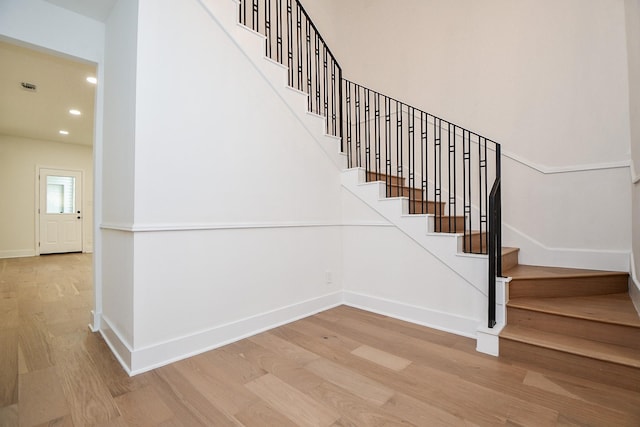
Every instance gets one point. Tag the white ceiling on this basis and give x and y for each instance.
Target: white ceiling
(61, 85)
(96, 9)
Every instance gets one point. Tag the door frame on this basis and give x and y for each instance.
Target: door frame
(38, 207)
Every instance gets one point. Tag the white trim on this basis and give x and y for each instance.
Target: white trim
(534, 252)
(116, 342)
(635, 177)
(18, 253)
(551, 170)
(634, 284)
(135, 228)
(488, 341)
(96, 320)
(150, 357)
(447, 322)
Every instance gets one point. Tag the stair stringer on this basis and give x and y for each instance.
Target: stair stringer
(446, 247)
(252, 44)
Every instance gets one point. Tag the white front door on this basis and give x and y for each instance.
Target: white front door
(60, 211)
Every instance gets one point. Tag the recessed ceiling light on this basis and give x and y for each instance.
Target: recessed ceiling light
(92, 80)
(75, 112)
(63, 132)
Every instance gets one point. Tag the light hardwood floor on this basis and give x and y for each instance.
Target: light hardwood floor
(342, 367)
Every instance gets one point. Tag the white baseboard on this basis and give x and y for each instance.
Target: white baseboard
(447, 322)
(116, 342)
(19, 253)
(137, 361)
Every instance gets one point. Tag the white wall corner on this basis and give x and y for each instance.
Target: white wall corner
(96, 321)
(119, 346)
(634, 285)
(488, 339)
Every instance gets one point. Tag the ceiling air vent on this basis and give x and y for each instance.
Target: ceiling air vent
(28, 86)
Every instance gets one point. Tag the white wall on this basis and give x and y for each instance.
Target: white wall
(118, 156)
(230, 207)
(19, 158)
(632, 8)
(547, 79)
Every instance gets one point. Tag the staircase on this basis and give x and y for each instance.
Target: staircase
(580, 322)
(431, 179)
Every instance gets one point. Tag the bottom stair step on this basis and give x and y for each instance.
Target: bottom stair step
(607, 363)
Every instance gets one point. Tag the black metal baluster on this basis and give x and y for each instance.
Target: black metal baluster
(279, 31)
(309, 76)
(340, 121)
(290, 42)
(482, 164)
(255, 24)
(388, 143)
(357, 126)
(466, 181)
(498, 211)
(377, 133)
(452, 173)
(325, 88)
(267, 28)
(367, 132)
(399, 160)
(299, 43)
(411, 141)
(317, 73)
(242, 15)
(348, 104)
(437, 171)
(483, 177)
(334, 131)
(424, 160)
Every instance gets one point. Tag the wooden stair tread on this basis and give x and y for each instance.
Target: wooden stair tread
(524, 272)
(578, 346)
(611, 308)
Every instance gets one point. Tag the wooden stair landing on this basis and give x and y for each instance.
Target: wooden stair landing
(573, 320)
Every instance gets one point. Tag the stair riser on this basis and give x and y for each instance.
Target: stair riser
(476, 243)
(568, 287)
(393, 180)
(448, 225)
(413, 193)
(591, 369)
(509, 260)
(604, 332)
(423, 207)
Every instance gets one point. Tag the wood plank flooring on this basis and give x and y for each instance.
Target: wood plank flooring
(342, 367)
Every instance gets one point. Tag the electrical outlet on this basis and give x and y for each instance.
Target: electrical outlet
(329, 276)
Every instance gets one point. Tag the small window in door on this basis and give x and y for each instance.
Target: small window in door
(61, 194)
